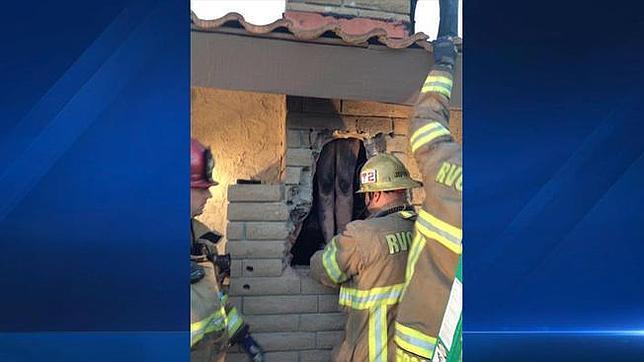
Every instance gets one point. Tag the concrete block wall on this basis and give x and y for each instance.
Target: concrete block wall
(396, 10)
(292, 316)
(310, 118)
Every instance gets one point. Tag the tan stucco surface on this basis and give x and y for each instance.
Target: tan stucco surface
(246, 132)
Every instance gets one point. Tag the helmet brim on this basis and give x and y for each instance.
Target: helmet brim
(203, 184)
(392, 186)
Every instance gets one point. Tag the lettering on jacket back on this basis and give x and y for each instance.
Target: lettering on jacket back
(397, 242)
(450, 175)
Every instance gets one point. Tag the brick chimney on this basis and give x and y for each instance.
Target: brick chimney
(354, 16)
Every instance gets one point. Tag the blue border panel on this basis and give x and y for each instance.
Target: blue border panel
(97, 347)
(553, 202)
(94, 171)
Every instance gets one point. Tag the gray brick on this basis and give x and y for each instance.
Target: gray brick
(257, 211)
(328, 303)
(254, 192)
(235, 268)
(270, 357)
(307, 136)
(262, 267)
(315, 355)
(395, 6)
(375, 125)
(236, 357)
(265, 286)
(382, 15)
(320, 2)
(294, 103)
(307, 121)
(368, 108)
(321, 105)
(329, 339)
(235, 231)
(310, 286)
(293, 138)
(401, 126)
(237, 302)
(257, 249)
(285, 341)
(293, 175)
(322, 8)
(397, 143)
(322, 322)
(273, 322)
(280, 304)
(299, 157)
(281, 357)
(266, 230)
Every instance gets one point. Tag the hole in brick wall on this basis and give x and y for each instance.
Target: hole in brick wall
(250, 268)
(246, 287)
(335, 202)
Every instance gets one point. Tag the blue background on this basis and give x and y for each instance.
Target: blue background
(553, 201)
(94, 111)
(94, 167)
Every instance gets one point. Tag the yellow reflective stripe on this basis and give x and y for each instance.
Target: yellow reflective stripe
(212, 323)
(233, 321)
(365, 299)
(437, 83)
(404, 356)
(450, 229)
(429, 138)
(414, 341)
(378, 334)
(412, 258)
(427, 134)
(431, 78)
(330, 263)
(433, 228)
(429, 127)
(447, 92)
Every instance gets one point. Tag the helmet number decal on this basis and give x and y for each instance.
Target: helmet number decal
(368, 176)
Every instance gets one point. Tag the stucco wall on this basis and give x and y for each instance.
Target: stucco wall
(246, 132)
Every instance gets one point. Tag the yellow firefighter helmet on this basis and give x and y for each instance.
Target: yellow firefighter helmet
(385, 172)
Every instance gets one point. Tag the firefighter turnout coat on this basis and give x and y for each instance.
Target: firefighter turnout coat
(213, 320)
(428, 324)
(368, 261)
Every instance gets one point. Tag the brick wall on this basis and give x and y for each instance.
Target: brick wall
(309, 119)
(292, 316)
(397, 10)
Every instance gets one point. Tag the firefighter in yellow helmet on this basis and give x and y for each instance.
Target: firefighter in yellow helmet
(215, 324)
(367, 260)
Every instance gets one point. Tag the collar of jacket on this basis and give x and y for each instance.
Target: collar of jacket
(391, 209)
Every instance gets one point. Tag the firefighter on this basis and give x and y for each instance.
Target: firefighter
(367, 260)
(428, 324)
(215, 324)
